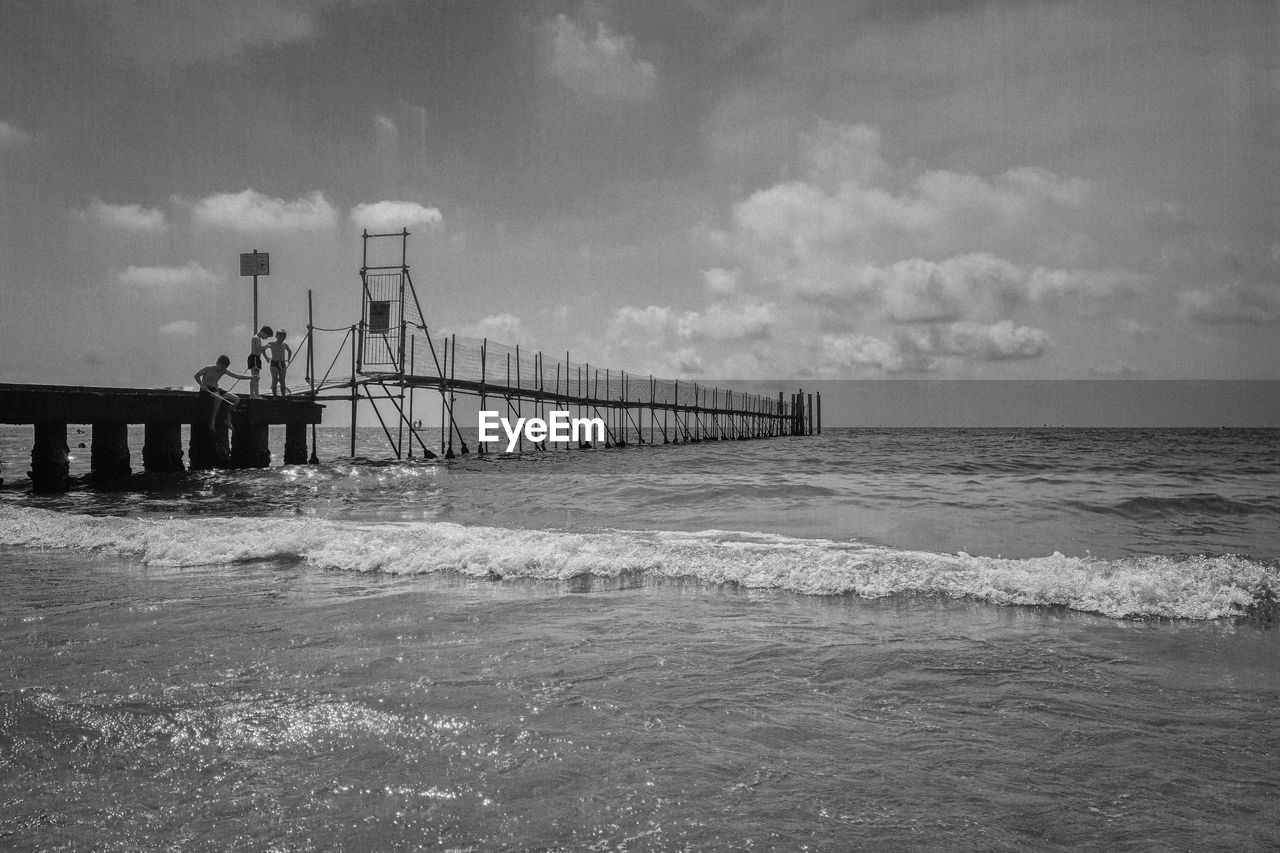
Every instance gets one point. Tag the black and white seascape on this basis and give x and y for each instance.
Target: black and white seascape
(1018, 592)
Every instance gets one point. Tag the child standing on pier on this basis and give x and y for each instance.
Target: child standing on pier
(256, 347)
(208, 377)
(279, 353)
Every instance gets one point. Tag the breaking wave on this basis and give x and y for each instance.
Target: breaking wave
(1185, 587)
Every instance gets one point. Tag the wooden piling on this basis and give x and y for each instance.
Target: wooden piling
(50, 467)
(162, 447)
(109, 454)
(295, 443)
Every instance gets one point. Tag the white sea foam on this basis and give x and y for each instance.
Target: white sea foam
(1208, 587)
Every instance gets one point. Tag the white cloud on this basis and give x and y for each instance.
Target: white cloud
(996, 342)
(932, 347)
(12, 136)
(180, 329)
(127, 217)
(1232, 304)
(602, 67)
(851, 209)
(501, 328)
(721, 322)
(721, 282)
(917, 290)
(1110, 282)
(394, 215)
(848, 353)
(153, 280)
(874, 267)
(251, 211)
(637, 327)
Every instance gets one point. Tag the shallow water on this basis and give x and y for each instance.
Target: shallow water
(554, 653)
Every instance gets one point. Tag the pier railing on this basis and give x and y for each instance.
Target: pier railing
(393, 352)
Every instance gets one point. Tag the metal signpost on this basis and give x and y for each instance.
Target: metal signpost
(255, 263)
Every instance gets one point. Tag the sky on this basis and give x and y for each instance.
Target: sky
(808, 190)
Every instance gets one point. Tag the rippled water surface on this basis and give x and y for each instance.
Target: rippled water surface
(865, 640)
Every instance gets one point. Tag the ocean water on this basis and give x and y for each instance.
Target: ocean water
(868, 639)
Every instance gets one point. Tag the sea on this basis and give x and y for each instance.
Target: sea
(868, 639)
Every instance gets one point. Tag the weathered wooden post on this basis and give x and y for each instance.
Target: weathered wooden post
(50, 467)
(202, 450)
(161, 447)
(210, 447)
(250, 443)
(109, 454)
(295, 443)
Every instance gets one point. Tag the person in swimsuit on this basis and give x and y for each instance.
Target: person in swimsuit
(279, 353)
(255, 359)
(207, 377)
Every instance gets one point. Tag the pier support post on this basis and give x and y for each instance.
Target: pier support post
(162, 448)
(50, 468)
(250, 444)
(208, 447)
(295, 443)
(109, 454)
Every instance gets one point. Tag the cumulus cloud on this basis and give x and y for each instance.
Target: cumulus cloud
(126, 217)
(180, 329)
(848, 209)
(633, 326)
(394, 215)
(916, 290)
(933, 347)
(502, 328)
(995, 342)
(12, 136)
(253, 212)
(159, 280)
(1232, 304)
(846, 353)
(602, 67)
(876, 267)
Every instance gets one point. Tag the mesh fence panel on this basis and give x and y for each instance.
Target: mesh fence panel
(501, 366)
(391, 309)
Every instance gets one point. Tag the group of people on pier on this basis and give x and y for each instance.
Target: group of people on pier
(265, 342)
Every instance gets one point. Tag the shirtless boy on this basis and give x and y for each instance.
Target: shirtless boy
(279, 353)
(207, 377)
(256, 346)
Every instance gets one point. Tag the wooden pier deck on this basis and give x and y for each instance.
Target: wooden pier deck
(239, 439)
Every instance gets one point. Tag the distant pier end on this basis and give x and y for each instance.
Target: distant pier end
(239, 439)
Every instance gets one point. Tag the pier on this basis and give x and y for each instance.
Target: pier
(389, 356)
(239, 439)
(391, 353)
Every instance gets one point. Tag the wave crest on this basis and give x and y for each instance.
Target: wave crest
(1204, 587)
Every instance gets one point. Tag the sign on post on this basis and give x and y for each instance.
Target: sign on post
(255, 263)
